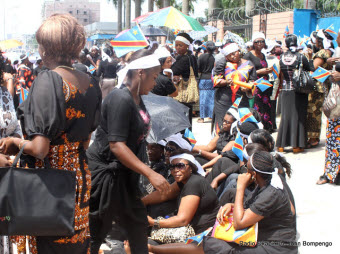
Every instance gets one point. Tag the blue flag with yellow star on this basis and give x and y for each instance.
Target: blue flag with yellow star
(321, 74)
(129, 40)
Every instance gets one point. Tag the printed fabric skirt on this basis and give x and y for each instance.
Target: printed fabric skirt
(332, 164)
(314, 115)
(207, 94)
(262, 104)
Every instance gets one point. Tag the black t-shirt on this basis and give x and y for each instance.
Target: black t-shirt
(208, 207)
(279, 223)
(107, 69)
(182, 65)
(206, 64)
(164, 86)
(9, 69)
(224, 138)
(121, 121)
(257, 62)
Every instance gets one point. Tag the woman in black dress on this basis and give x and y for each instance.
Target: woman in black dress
(262, 99)
(57, 118)
(292, 130)
(184, 60)
(117, 155)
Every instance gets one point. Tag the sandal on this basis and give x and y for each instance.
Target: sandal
(200, 120)
(313, 144)
(298, 150)
(322, 180)
(280, 149)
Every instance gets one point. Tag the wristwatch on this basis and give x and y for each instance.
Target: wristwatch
(156, 224)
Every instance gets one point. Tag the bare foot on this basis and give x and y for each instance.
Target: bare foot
(322, 180)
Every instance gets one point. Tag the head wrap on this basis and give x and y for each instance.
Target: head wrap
(162, 143)
(327, 43)
(190, 158)
(23, 57)
(144, 62)
(180, 141)
(234, 113)
(185, 38)
(162, 52)
(258, 35)
(230, 48)
(249, 44)
(276, 181)
(271, 44)
(94, 47)
(312, 37)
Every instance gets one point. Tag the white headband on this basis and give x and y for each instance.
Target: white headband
(258, 35)
(190, 158)
(234, 113)
(276, 181)
(326, 42)
(180, 141)
(183, 39)
(245, 154)
(144, 62)
(162, 143)
(231, 48)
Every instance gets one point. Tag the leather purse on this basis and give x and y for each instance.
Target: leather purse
(37, 201)
(302, 80)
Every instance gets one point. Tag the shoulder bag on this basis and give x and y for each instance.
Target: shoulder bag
(302, 80)
(188, 90)
(331, 105)
(37, 202)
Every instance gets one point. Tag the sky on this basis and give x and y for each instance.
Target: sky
(24, 16)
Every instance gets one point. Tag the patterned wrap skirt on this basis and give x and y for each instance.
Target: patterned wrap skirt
(332, 163)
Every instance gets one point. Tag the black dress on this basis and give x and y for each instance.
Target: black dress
(115, 193)
(58, 110)
(262, 102)
(292, 131)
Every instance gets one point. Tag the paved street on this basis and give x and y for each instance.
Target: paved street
(317, 206)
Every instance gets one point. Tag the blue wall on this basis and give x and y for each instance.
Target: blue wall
(305, 21)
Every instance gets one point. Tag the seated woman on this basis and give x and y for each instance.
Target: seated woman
(271, 204)
(233, 130)
(220, 143)
(177, 144)
(229, 158)
(198, 203)
(266, 141)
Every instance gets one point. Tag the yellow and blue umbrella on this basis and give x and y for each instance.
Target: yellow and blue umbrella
(172, 18)
(9, 44)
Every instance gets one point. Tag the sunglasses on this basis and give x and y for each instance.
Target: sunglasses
(179, 166)
(169, 149)
(257, 42)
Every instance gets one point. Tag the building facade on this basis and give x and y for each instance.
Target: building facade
(84, 11)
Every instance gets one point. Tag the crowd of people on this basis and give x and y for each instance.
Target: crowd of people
(143, 187)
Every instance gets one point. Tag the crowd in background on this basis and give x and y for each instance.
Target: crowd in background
(73, 92)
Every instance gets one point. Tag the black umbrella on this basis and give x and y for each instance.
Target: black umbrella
(168, 116)
(153, 31)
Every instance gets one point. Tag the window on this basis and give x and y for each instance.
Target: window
(85, 20)
(77, 11)
(85, 12)
(71, 12)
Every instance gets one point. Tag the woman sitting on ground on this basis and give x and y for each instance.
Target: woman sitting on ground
(198, 203)
(271, 204)
(220, 143)
(177, 144)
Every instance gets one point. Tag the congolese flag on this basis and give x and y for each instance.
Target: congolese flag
(321, 74)
(190, 136)
(129, 40)
(276, 71)
(23, 95)
(246, 115)
(263, 84)
(286, 32)
(238, 147)
(198, 238)
(331, 31)
(237, 102)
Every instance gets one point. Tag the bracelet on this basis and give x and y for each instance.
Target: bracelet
(200, 152)
(156, 224)
(21, 144)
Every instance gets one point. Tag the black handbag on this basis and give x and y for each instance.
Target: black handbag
(302, 81)
(37, 202)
